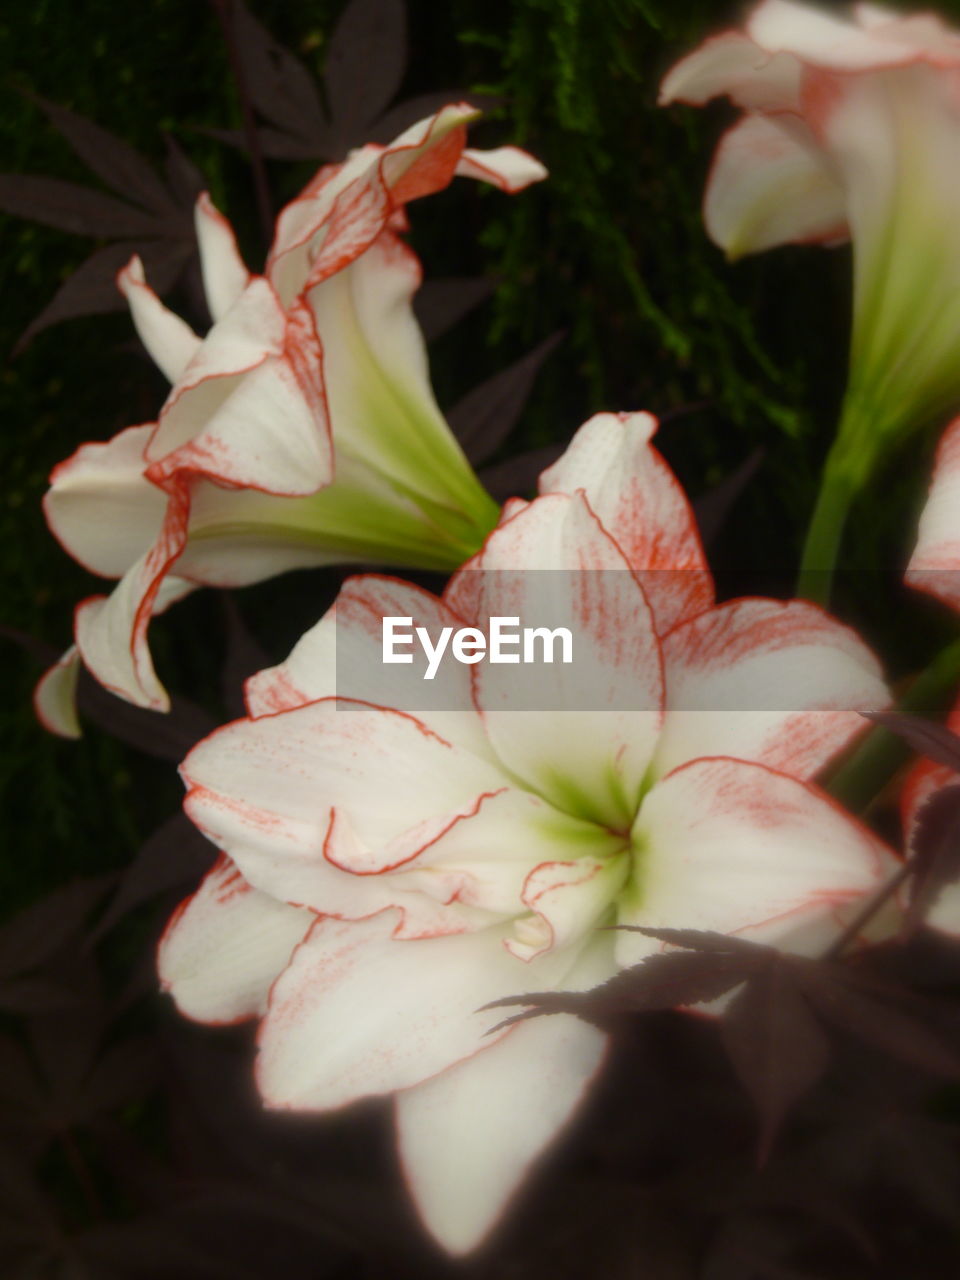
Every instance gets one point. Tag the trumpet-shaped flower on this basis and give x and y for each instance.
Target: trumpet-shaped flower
(935, 568)
(386, 872)
(302, 430)
(851, 129)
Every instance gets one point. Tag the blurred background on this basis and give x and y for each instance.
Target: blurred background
(132, 1143)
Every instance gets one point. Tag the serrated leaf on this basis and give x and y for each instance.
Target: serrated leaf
(109, 157)
(280, 87)
(439, 304)
(925, 737)
(278, 145)
(70, 207)
(483, 419)
(36, 933)
(776, 1046)
(366, 60)
(660, 982)
(890, 1018)
(712, 508)
(185, 179)
(174, 855)
(706, 940)
(32, 995)
(168, 736)
(92, 290)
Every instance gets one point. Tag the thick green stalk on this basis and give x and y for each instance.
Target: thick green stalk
(824, 535)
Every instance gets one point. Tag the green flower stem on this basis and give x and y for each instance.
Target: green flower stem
(822, 546)
(881, 753)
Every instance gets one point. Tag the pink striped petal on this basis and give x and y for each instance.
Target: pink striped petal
(935, 564)
(739, 848)
(778, 683)
(472, 1135)
(508, 168)
(343, 656)
(55, 696)
(770, 186)
(820, 39)
(225, 947)
(420, 1003)
(288, 796)
(250, 410)
(100, 491)
(588, 728)
(111, 631)
(336, 219)
(170, 341)
(641, 505)
(732, 64)
(225, 275)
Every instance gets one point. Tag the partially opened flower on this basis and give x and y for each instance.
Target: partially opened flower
(302, 430)
(851, 128)
(388, 871)
(935, 569)
(935, 563)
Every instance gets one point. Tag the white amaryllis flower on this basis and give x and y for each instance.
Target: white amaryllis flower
(386, 873)
(935, 563)
(302, 430)
(851, 129)
(935, 568)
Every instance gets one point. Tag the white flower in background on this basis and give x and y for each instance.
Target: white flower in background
(935, 568)
(386, 873)
(302, 430)
(851, 129)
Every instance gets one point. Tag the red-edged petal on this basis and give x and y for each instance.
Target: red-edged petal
(382, 405)
(770, 185)
(55, 696)
(508, 168)
(567, 900)
(419, 1000)
(100, 508)
(250, 410)
(820, 39)
(732, 64)
(640, 503)
(342, 656)
(739, 848)
(333, 222)
(580, 733)
(225, 275)
(225, 946)
(935, 564)
(170, 341)
(111, 631)
(473, 1134)
(294, 796)
(779, 683)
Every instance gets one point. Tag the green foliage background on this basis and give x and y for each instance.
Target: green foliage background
(611, 250)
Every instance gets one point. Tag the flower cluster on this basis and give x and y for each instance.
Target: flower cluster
(388, 868)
